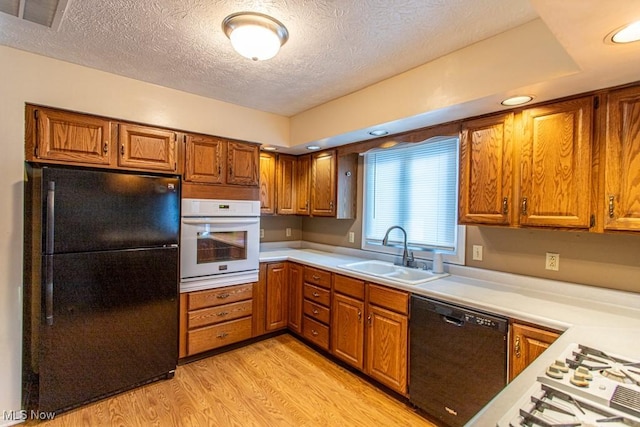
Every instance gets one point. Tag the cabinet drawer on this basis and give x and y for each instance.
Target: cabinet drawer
(315, 332)
(219, 296)
(348, 286)
(220, 313)
(317, 312)
(316, 294)
(210, 337)
(317, 277)
(389, 298)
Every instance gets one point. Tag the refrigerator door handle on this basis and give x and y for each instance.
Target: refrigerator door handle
(51, 201)
(48, 290)
(49, 236)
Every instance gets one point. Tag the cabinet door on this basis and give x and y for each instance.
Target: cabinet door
(303, 196)
(286, 193)
(386, 344)
(486, 162)
(622, 161)
(347, 329)
(143, 147)
(296, 280)
(277, 296)
(556, 165)
(323, 184)
(62, 136)
(242, 164)
(527, 343)
(267, 183)
(204, 160)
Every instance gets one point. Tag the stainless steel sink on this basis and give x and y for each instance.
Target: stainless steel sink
(392, 272)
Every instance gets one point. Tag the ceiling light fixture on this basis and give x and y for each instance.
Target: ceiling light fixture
(378, 132)
(254, 35)
(517, 100)
(313, 147)
(269, 148)
(627, 34)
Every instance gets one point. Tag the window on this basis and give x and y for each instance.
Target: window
(416, 187)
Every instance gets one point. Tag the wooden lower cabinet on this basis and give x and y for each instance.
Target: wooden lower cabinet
(527, 343)
(377, 345)
(296, 281)
(214, 318)
(277, 296)
(316, 306)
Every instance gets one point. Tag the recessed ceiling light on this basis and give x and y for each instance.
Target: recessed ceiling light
(378, 132)
(313, 147)
(269, 148)
(627, 34)
(517, 100)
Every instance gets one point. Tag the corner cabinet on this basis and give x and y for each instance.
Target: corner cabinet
(621, 198)
(486, 164)
(556, 165)
(527, 343)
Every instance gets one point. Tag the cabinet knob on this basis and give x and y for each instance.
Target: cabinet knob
(516, 347)
(315, 311)
(611, 211)
(314, 332)
(505, 206)
(359, 315)
(105, 147)
(369, 319)
(315, 294)
(223, 313)
(222, 296)
(315, 277)
(122, 149)
(524, 206)
(222, 335)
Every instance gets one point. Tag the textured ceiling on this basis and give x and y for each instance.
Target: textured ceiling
(335, 47)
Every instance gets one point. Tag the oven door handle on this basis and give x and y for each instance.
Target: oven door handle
(215, 221)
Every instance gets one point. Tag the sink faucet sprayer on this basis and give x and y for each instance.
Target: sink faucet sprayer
(407, 256)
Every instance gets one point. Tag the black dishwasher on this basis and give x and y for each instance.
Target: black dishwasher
(458, 359)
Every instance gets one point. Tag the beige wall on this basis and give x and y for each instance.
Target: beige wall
(31, 78)
(275, 228)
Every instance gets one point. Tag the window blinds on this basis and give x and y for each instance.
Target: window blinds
(415, 187)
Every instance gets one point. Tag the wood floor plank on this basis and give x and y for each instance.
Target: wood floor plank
(275, 382)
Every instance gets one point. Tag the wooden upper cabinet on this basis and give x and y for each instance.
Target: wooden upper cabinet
(204, 159)
(65, 137)
(622, 161)
(556, 164)
(242, 163)
(303, 181)
(486, 163)
(323, 184)
(286, 184)
(143, 147)
(267, 183)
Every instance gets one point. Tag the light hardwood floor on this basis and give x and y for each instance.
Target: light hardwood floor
(275, 382)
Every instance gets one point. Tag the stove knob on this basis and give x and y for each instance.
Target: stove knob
(584, 372)
(554, 372)
(579, 380)
(561, 366)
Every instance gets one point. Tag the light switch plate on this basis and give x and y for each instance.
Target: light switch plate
(262, 233)
(477, 252)
(287, 232)
(352, 237)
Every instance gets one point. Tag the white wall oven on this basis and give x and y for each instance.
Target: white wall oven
(220, 243)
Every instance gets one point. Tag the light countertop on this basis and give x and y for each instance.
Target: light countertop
(604, 318)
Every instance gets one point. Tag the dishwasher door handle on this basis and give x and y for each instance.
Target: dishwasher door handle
(452, 321)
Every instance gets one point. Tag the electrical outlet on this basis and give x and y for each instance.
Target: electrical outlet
(553, 261)
(287, 232)
(477, 252)
(262, 233)
(352, 237)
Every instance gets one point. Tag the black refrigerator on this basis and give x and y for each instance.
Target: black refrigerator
(100, 283)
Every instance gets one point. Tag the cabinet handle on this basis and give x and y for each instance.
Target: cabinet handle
(223, 313)
(369, 319)
(222, 296)
(219, 170)
(306, 204)
(331, 205)
(359, 315)
(524, 206)
(230, 170)
(314, 332)
(611, 199)
(516, 347)
(122, 149)
(222, 335)
(505, 206)
(315, 311)
(105, 147)
(315, 294)
(315, 277)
